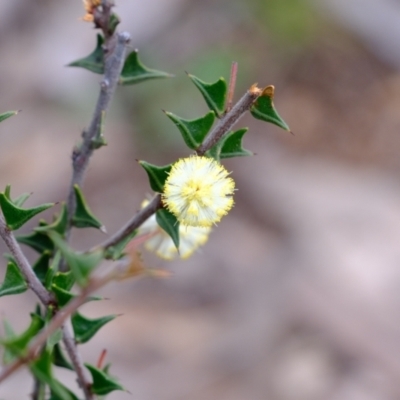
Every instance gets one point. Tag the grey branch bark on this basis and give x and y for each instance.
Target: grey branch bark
(115, 51)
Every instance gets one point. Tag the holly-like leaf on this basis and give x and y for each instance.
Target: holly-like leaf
(9, 333)
(59, 358)
(81, 264)
(157, 175)
(85, 328)
(42, 370)
(167, 221)
(117, 251)
(59, 225)
(41, 266)
(113, 23)
(102, 382)
(37, 240)
(232, 145)
(16, 345)
(62, 296)
(134, 71)
(193, 131)
(83, 217)
(15, 216)
(264, 109)
(64, 280)
(214, 93)
(14, 282)
(7, 114)
(93, 62)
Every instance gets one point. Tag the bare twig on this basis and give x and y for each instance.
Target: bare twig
(57, 322)
(230, 119)
(114, 59)
(32, 280)
(77, 362)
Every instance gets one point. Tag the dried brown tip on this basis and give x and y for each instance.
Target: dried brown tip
(254, 89)
(269, 91)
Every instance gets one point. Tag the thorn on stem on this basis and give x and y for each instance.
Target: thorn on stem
(232, 85)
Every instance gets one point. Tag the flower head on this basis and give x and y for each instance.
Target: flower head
(198, 191)
(190, 238)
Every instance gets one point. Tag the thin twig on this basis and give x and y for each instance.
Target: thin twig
(30, 277)
(57, 322)
(77, 362)
(137, 220)
(230, 119)
(114, 59)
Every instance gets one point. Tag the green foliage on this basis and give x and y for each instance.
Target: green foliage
(59, 358)
(167, 221)
(14, 282)
(103, 383)
(230, 146)
(83, 217)
(42, 370)
(214, 93)
(264, 109)
(37, 240)
(134, 71)
(117, 251)
(7, 114)
(81, 265)
(94, 61)
(41, 266)
(193, 131)
(85, 328)
(15, 216)
(16, 345)
(62, 296)
(157, 175)
(59, 225)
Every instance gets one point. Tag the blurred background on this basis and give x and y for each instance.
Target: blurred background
(296, 294)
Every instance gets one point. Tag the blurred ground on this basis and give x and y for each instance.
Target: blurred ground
(296, 294)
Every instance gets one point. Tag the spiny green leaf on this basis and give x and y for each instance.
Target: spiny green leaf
(7, 114)
(167, 221)
(15, 216)
(264, 109)
(64, 280)
(83, 217)
(232, 145)
(14, 282)
(93, 62)
(59, 358)
(117, 251)
(80, 264)
(102, 382)
(41, 266)
(134, 71)
(20, 200)
(214, 93)
(85, 328)
(62, 296)
(113, 23)
(42, 370)
(8, 356)
(18, 344)
(59, 225)
(53, 269)
(37, 241)
(193, 131)
(157, 175)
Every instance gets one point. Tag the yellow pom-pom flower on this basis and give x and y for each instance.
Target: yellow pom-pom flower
(198, 191)
(159, 242)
